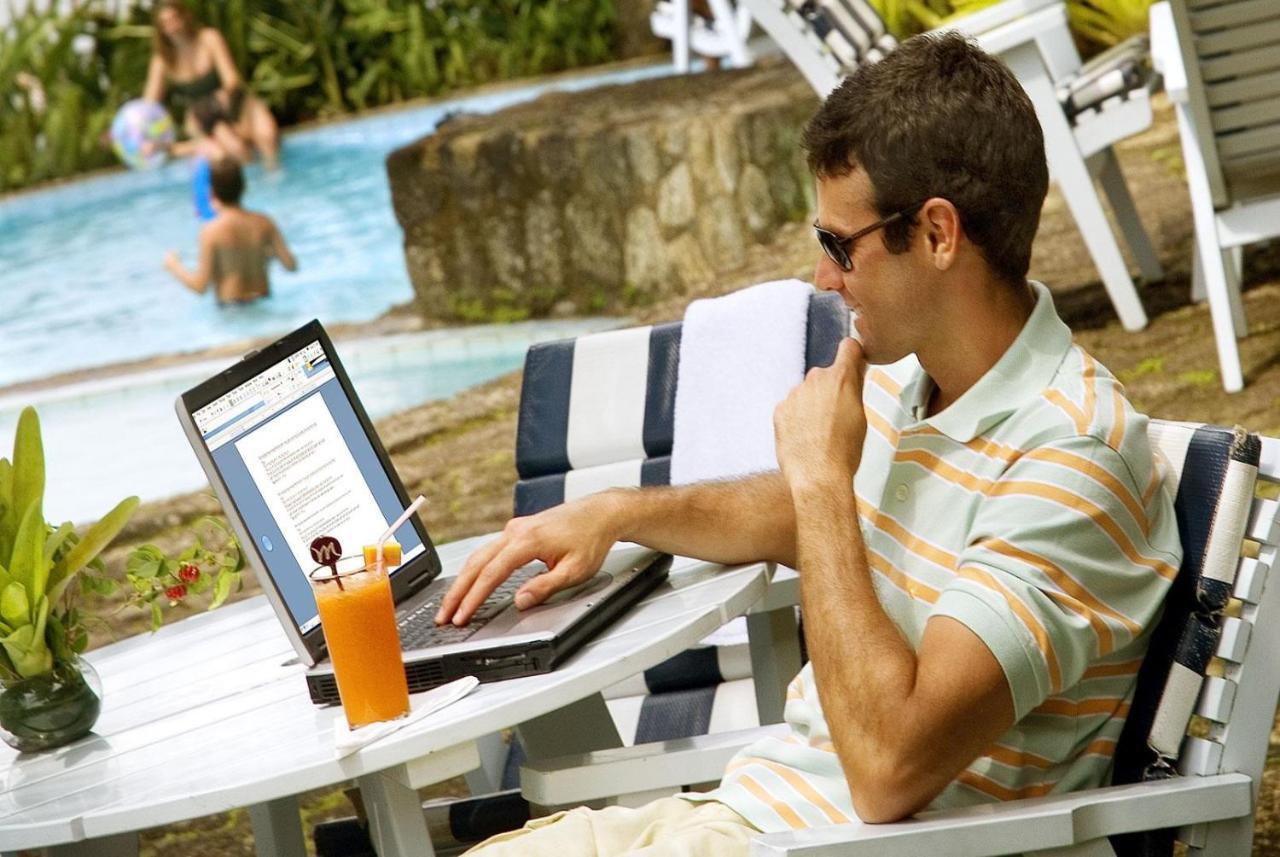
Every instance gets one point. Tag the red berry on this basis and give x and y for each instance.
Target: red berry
(176, 593)
(189, 573)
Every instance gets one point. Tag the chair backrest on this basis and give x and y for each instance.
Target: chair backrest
(1231, 51)
(1207, 691)
(825, 39)
(597, 411)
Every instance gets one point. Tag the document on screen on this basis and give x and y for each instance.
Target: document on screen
(310, 481)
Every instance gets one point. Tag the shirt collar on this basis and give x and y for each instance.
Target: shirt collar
(1021, 374)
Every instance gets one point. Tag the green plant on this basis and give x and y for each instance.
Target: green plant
(65, 68)
(1099, 22)
(44, 569)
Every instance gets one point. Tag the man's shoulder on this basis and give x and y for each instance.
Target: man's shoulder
(1084, 408)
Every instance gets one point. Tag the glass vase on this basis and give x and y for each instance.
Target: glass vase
(49, 710)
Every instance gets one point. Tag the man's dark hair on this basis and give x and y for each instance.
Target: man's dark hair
(939, 117)
(226, 180)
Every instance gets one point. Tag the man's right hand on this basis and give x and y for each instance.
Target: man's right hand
(572, 539)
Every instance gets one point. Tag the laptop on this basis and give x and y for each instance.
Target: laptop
(292, 455)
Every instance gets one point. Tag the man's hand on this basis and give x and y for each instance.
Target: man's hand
(819, 428)
(572, 539)
(172, 263)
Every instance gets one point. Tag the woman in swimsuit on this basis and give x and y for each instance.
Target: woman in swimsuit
(193, 66)
(236, 246)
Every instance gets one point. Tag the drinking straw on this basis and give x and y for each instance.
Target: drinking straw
(413, 507)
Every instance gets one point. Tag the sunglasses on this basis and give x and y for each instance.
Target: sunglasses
(839, 248)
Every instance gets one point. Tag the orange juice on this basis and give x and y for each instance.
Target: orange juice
(359, 622)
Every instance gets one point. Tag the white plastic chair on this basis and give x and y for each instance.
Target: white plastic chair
(725, 36)
(826, 39)
(1221, 67)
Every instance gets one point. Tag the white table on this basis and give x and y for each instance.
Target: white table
(212, 713)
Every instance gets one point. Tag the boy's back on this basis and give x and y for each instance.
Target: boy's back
(242, 244)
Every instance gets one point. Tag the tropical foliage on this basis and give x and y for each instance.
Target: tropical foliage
(63, 74)
(1099, 23)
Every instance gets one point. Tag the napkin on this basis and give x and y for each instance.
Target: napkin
(347, 740)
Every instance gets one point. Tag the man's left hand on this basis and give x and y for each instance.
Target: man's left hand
(819, 428)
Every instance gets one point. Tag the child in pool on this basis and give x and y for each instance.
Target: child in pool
(236, 246)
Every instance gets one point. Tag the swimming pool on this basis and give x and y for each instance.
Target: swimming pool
(81, 282)
(109, 438)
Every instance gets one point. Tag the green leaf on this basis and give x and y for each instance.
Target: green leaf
(59, 640)
(157, 617)
(56, 540)
(28, 463)
(144, 561)
(28, 566)
(222, 588)
(15, 606)
(26, 646)
(100, 535)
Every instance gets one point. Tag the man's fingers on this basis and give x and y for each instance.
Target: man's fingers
(850, 352)
(542, 587)
(498, 569)
(462, 583)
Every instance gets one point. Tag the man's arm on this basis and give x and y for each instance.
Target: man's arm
(281, 249)
(903, 722)
(727, 522)
(197, 280)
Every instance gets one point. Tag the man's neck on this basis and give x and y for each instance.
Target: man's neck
(979, 330)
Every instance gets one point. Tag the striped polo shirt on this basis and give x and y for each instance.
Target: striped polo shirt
(1032, 510)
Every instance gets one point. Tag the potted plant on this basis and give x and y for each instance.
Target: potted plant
(49, 695)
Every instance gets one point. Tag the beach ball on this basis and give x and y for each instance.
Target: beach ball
(141, 134)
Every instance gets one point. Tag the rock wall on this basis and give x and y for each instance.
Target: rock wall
(582, 202)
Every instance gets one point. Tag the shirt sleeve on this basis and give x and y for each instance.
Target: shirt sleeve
(1066, 562)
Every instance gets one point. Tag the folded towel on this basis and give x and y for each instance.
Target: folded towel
(347, 740)
(739, 356)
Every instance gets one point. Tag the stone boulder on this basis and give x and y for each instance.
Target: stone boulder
(599, 200)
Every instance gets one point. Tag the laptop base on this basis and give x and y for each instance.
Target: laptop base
(498, 663)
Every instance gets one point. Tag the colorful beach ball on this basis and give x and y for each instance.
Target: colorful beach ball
(141, 134)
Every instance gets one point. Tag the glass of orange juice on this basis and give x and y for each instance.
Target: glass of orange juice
(359, 621)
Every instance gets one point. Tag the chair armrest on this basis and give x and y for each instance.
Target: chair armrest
(1025, 826)
(997, 15)
(582, 777)
(1166, 56)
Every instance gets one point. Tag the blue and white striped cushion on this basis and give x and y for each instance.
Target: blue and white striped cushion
(597, 412)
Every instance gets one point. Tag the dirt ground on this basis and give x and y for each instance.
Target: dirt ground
(459, 452)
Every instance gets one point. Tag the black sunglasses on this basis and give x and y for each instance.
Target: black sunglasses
(839, 248)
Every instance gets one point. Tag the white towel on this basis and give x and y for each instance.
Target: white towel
(739, 356)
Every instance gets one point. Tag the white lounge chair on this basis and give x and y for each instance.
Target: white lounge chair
(1221, 67)
(723, 37)
(1232, 539)
(826, 39)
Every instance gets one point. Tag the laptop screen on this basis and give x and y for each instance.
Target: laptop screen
(298, 464)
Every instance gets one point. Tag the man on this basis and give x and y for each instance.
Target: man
(236, 246)
(976, 609)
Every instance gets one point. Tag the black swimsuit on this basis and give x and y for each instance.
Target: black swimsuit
(200, 96)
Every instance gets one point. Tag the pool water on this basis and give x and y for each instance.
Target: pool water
(105, 440)
(81, 282)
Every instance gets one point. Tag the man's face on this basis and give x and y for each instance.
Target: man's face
(882, 286)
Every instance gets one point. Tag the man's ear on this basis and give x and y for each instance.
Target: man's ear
(939, 224)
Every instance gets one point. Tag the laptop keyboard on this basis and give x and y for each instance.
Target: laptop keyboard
(418, 630)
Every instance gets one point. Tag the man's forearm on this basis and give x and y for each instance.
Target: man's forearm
(865, 669)
(728, 522)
